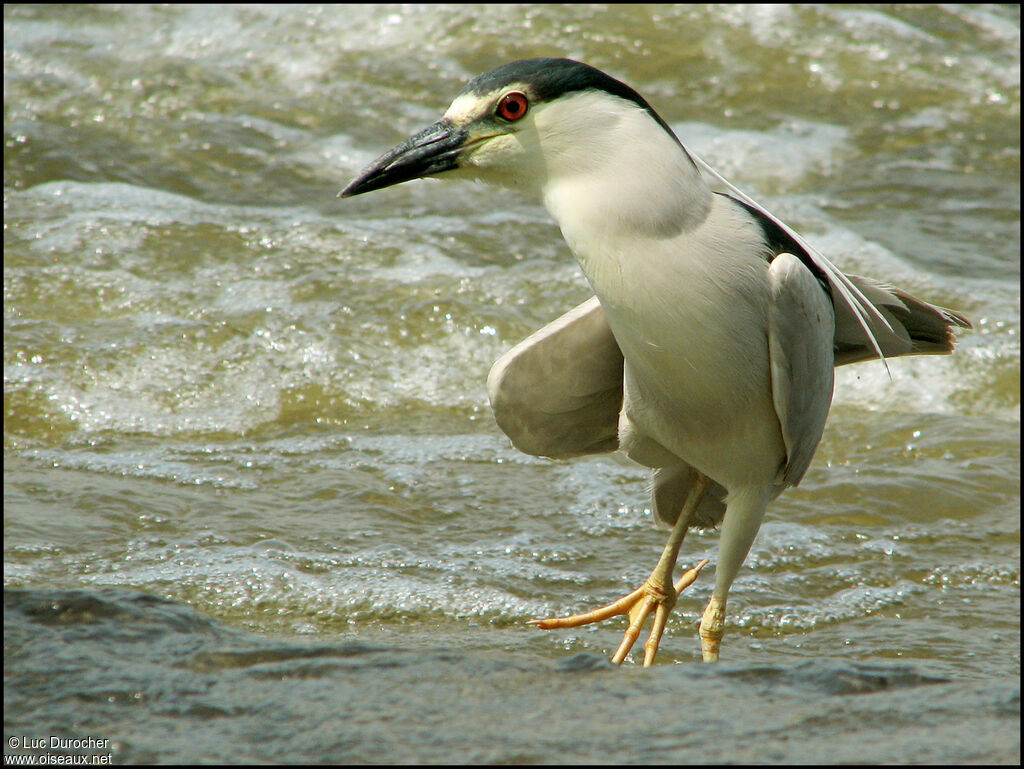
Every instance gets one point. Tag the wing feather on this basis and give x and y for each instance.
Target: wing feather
(859, 305)
(558, 393)
(800, 336)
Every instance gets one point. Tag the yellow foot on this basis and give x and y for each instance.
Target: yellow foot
(638, 604)
(712, 628)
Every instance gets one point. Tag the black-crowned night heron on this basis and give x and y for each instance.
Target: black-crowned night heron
(708, 352)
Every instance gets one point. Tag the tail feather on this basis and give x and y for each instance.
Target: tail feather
(917, 327)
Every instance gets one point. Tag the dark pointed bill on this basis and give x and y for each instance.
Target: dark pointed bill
(431, 151)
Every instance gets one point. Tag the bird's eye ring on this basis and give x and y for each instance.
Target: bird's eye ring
(512, 106)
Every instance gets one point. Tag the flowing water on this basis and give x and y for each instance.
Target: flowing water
(255, 504)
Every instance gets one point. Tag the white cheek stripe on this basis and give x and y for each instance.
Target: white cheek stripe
(470, 106)
(463, 109)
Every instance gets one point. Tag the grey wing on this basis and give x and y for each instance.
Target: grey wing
(918, 328)
(558, 392)
(801, 330)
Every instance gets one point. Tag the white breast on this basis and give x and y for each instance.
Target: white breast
(690, 315)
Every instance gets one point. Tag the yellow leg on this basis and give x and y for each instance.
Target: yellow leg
(712, 628)
(657, 594)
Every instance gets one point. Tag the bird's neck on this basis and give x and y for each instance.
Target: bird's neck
(634, 181)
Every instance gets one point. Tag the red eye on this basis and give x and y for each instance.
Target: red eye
(512, 106)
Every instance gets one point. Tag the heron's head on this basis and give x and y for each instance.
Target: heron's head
(525, 124)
